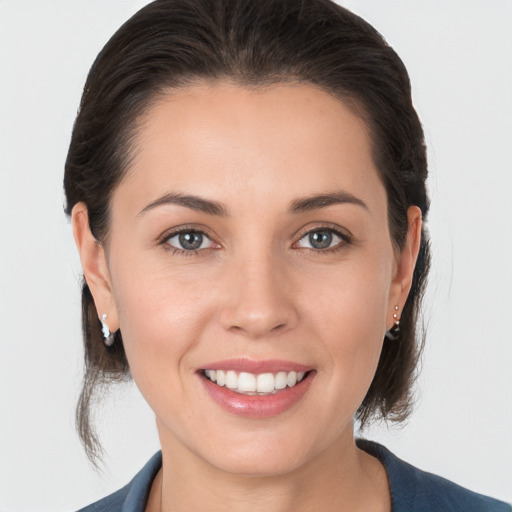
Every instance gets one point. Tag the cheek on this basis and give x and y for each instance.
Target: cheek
(161, 319)
(350, 321)
(353, 304)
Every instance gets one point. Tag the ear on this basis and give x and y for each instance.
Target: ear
(405, 263)
(94, 266)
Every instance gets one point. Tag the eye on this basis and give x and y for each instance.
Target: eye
(189, 241)
(321, 239)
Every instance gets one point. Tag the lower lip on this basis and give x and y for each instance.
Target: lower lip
(257, 406)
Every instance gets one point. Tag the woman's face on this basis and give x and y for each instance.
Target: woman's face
(250, 238)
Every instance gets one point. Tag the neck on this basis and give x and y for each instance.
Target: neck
(342, 478)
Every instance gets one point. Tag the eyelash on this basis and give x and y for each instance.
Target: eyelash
(164, 239)
(183, 252)
(345, 238)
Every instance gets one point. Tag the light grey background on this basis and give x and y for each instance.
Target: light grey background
(459, 57)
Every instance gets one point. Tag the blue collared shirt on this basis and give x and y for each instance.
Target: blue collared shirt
(412, 490)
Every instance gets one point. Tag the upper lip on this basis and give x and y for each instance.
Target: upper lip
(256, 367)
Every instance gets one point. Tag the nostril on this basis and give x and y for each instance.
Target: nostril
(258, 314)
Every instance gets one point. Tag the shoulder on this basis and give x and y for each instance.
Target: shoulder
(111, 503)
(413, 490)
(133, 496)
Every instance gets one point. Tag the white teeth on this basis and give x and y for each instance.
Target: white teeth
(281, 380)
(248, 383)
(211, 374)
(265, 383)
(291, 379)
(231, 379)
(221, 377)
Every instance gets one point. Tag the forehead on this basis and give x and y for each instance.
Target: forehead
(234, 142)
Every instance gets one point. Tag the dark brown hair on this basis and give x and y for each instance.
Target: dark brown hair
(170, 43)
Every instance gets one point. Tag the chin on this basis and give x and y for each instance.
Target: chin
(263, 452)
(268, 464)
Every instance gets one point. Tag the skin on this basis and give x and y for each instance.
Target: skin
(257, 290)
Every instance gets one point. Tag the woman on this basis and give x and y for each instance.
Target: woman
(246, 182)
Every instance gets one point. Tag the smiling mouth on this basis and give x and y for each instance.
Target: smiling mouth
(261, 384)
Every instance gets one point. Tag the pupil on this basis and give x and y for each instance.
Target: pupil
(320, 239)
(191, 241)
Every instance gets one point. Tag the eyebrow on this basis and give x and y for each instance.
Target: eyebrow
(317, 202)
(210, 207)
(188, 201)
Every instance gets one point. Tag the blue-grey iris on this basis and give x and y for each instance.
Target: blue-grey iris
(320, 239)
(190, 240)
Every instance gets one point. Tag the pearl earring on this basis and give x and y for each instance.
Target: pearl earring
(393, 333)
(108, 337)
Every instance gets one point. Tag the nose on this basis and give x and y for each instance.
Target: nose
(259, 298)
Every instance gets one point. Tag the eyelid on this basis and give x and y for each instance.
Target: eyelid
(204, 238)
(344, 234)
(172, 232)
